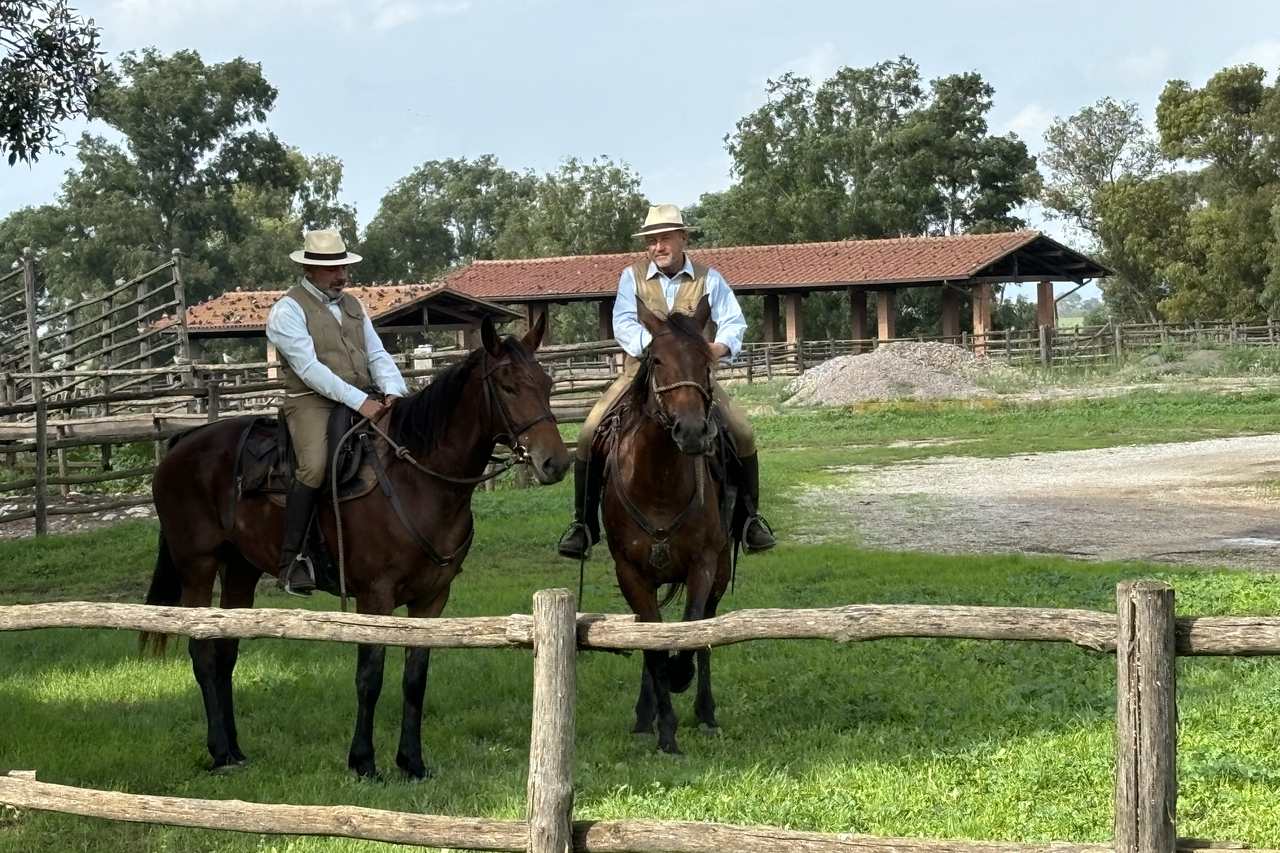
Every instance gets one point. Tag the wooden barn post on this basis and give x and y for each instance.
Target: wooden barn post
(1146, 719)
(551, 745)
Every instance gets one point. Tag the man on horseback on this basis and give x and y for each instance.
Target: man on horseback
(669, 280)
(331, 356)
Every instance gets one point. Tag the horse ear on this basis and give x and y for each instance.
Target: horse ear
(533, 338)
(647, 318)
(489, 337)
(702, 313)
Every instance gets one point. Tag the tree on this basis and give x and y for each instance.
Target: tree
(1089, 152)
(190, 145)
(444, 213)
(869, 154)
(49, 71)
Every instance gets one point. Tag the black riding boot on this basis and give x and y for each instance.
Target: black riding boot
(296, 575)
(577, 540)
(756, 536)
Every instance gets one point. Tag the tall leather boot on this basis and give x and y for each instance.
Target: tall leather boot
(296, 574)
(576, 542)
(756, 535)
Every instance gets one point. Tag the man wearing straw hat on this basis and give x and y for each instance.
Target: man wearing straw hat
(669, 280)
(331, 356)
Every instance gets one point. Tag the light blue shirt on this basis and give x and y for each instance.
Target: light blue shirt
(287, 330)
(633, 337)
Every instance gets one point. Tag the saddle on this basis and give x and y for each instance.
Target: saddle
(265, 458)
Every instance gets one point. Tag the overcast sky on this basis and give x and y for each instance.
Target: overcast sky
(388, 84)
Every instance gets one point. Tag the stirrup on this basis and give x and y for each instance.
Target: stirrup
(301, 587)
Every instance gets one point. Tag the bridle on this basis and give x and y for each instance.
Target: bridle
(659, 411)
(510, 436)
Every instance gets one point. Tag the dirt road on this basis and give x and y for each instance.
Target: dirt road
(1214, 502)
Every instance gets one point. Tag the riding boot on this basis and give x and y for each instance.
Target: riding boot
(296, 574)
(756, 534)
(577, 540)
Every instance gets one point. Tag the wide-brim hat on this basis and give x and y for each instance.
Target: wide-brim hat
(661, 218)
(324, 248)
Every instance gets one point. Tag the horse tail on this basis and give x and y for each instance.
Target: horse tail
(166, 589)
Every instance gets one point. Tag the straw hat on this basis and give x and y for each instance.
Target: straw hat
(662, 217)
(324, 248)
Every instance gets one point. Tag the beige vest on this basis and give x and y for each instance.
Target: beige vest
(339, 346)
(649, 290)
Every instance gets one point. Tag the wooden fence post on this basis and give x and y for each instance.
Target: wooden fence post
(37, 391)
(1046, 344)
(551, 744)
(1146, 719)
(1118, 334)
(212, 402)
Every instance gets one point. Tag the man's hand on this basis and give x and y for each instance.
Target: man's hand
(720, 351)
(371, 408)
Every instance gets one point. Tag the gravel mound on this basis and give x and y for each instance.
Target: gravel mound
(906, 370)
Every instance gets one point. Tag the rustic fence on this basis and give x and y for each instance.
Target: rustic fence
(1143, 633)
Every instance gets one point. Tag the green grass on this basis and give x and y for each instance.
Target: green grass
(924, 738)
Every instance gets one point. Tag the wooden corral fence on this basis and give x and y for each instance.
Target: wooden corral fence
(1144, 635)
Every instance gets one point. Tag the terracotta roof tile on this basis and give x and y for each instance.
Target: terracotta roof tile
(899, 260)
(246, 310)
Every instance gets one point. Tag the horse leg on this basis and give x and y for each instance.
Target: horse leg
(646, 705)
(238, 585)
(704, 704)
(698, 588)
(197, 591)
(643, 599)
(370, 660)
(416, 664)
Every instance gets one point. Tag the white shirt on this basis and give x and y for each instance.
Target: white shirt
(287, 330)
(633, 337)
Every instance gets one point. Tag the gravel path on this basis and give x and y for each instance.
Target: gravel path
(1214, 502)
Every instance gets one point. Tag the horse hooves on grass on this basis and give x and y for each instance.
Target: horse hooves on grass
(671, 750)
(226, 768)
(415, 771)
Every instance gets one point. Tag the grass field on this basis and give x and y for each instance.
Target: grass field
(898, 737)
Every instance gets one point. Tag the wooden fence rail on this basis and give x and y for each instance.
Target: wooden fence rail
(1144, 634)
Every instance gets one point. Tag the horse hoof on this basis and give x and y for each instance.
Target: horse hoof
(417, 771)
(364, 769)
(227, 767)
(669, 749)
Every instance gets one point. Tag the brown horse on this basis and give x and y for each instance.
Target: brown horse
(498, 394)
(663, 510)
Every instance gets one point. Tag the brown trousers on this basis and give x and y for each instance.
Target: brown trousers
(743, 435)
(307, 417)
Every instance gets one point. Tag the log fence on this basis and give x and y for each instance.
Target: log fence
(1145, 635)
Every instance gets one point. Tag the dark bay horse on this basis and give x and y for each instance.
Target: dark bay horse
(498, 394)
(662, 509)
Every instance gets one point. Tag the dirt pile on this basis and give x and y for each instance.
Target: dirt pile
(905, 370)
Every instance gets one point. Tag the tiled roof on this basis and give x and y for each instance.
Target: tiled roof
(901, 260)
(246, 310)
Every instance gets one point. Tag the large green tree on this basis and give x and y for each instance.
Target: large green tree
(49, 69)
(443, 213)
(191, 142)
(870, 152)
(1090, 152)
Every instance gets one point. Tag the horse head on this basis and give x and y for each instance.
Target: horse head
(519, 392)
(677, 373)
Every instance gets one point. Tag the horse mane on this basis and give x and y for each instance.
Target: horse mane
(419, 420)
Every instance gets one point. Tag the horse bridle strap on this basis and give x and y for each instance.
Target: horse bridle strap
(659, 534)
(512, 433)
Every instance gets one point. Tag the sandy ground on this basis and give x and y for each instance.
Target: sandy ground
(1214, 502)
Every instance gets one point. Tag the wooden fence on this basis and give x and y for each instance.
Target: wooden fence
(1143, 633)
